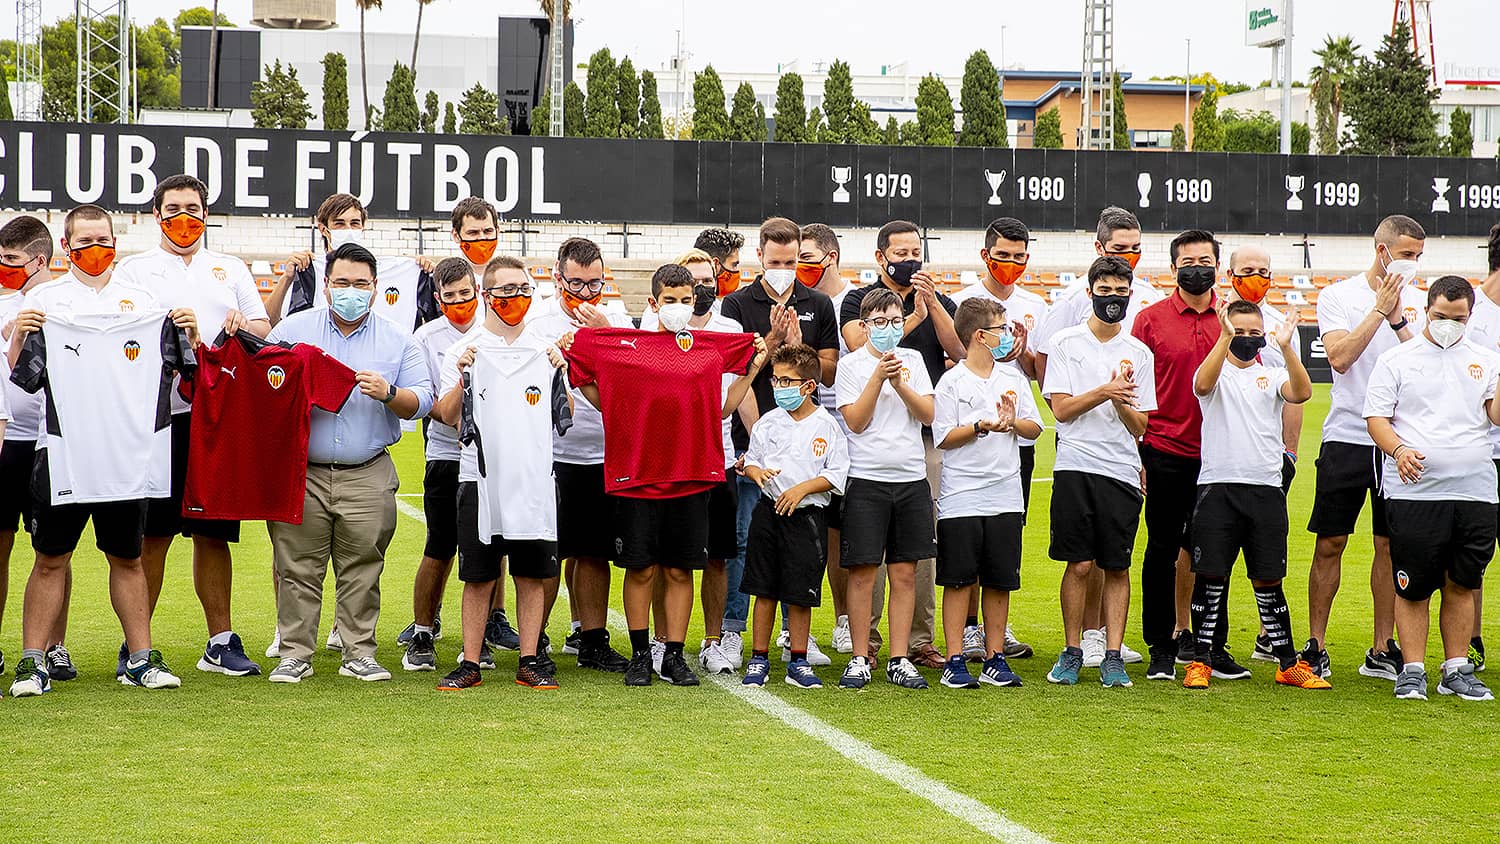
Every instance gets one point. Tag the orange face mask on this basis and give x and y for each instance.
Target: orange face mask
(510, 309)
(93, 260)
(479, 252)
(811, 273)
(1251, 288)
(728, 280)
(182, 229)
(571, 300)
(460, 312)
(1131, 258)
(1005, 272)
(13, 278)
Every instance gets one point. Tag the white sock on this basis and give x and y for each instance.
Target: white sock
(1414, 666)
(1452, 665)
(220, 638)
(420, 628)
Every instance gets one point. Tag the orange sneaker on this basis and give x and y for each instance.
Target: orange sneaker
(1197, 676)
(1301, 676)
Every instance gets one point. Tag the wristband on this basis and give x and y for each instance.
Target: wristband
(1383, 314)
(1400, 325)
(979, 433)
(1396, 452)
(1289, 453)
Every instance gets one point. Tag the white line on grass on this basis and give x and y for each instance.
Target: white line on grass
(956, 804)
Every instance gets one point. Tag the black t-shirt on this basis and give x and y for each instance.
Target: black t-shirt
(750, 306)
(923, 338)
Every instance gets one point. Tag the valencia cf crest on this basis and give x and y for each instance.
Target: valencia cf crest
(275, 376)
(905, 374)
(1029, 321)
(1403, 579)
(1409, 313)
(220, 274)
(685, 340)
(132, 350)
(126, 306)
(533, 395)
(391, 295)
(1011, 394)
(1262, 382)
(1127, 368)
(1476, 372)
(819, 447)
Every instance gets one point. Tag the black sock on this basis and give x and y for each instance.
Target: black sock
(472, 666)
(674, 649)
(528, 661)
(595, 638)
(1208, 614)
(1478, 643)
(796, 655)
(766, 654)
(971, 621)
(640, 642)
(1277, 619)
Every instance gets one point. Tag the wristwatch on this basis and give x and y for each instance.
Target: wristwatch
(978, 431)
(389, 397)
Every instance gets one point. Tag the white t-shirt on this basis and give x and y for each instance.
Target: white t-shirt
(983, 477)
(1271, 354)
(396, 289)
(1097, 441)
(826, 396)
(482, 338)
(1435, 400)
(722, 323)
(890, 449)
(584, 444)
(67, 294)
(1342, 306)
(802, 450)
(1023, 306)
(26, 409)
(1242, 426)
(651, 321)
(1483, 330)
(435, 338)
(512, 406)
(1073, 307)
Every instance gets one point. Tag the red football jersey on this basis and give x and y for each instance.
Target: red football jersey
(247, 458)
(662, 405)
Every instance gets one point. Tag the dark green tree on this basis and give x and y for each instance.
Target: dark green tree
(650, 124)
(791, 110)
(1337, 60)
(863, 128)
(1208, 130)
(6, 112)
(1301, 138)
(430, 112)
(1389, 104)
(541, 116)
(1460, 140)
(575, 118)
(1254, 132)
(1047, 133)
(742, 119)
(934, 112)
(911, 134)
(335, 92)
(815, 127)
(1122, 124)
(1179, 138)
(984, 111)
(479, 111)
(278, 101)
(628, 98)
(400, 102)
(710, 120)
(450, 119)
(602, 110)
(839, 105)
(892, 134)
(196, 16)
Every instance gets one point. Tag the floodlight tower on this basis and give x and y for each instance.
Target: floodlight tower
(1098, 125)
(29, 59)
(105, 71)
(1412, 20)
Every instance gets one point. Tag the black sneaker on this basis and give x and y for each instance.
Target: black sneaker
(1317, 659)
(638, 670)
(1163, 665)
(59, 663)
(1384, 664)
(536, 676)
(1225, 668)
(465, 676)
(499, 634)
(1187, 648)
(1263, 651)
(545, 664)
(675, 670)
(419, 655)
(602, 658)
(573, 641)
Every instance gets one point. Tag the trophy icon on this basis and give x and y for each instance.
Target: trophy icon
(1440, 187)
(995, 180)
(841, 176)
(1143, 185)
(1294, 185)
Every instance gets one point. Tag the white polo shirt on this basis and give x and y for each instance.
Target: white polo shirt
(1435, 400)
(584, 443)
(801, 450)
(1341, 307)
(1097, 441)
(890, 449)
(1242, 426)
(983, 477)
(1483, 330)
(435, 338)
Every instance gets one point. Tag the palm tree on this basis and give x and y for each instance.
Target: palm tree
(416, 38)
(364, 74)
(1337, 61)
(213, 52)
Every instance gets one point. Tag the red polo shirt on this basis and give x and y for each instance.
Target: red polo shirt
(1180, 338)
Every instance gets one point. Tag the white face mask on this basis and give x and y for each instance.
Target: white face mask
(1407, 270)
(339, 237)
(674, 317)
(780, 280)
(1445, 332)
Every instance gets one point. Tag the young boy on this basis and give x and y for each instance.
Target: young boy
(797, 457)
(1240, 503)
(1101, 383)
(984, 410)
(885, 395)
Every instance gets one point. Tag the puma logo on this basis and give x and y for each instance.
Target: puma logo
(630, 343)
(73, 349)
(230, 371)
(481, 394)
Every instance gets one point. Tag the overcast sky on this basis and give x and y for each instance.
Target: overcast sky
(931, 36)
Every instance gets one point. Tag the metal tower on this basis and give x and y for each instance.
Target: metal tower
(1097, 129)
(559, 37)
(29, 59)
(1412, 20)
(105, 66)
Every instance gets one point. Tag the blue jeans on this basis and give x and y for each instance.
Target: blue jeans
(737, 603)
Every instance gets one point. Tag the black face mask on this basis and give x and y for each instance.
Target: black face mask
(1196, 280)
(902, 271)
(1111, 309)
(703, 298)
(1246, 347)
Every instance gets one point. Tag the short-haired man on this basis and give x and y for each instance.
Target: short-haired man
(723, 246)
(1483, 329)
(1430, 406)
(349, 509)
(476, 230)
(1360, 318)
(219, 289)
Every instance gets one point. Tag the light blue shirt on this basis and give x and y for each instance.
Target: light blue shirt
(364, 427)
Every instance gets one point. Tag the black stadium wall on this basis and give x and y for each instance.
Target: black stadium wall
(285, 172)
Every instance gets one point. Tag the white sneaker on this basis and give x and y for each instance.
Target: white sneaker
(335, 641)
(713, 659)
(732, 645)
(1093, 648)
(784, 640)
(1126, 654)
(974, 642)
(658, 650)
(273, 650)
(815, 657)
(842, 641)
(365, 668)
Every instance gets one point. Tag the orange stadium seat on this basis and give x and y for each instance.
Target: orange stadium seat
(541, 273)
(611, 290)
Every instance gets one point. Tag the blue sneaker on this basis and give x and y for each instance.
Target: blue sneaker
(856, 674)
(956, 674)
(1112, 672)
(1065, 670)
(120, 663)
(756, 671)
(799, 673)
(997, 672)
(228, 659)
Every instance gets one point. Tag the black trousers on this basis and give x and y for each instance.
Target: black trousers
(1171, 493)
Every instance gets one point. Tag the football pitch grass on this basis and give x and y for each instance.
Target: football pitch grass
(334, 759)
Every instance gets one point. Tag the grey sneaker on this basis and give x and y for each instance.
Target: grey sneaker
(486, 657)
(1411, 684)
(419, 654)
(291, 670)
(1464, 684)
(365, 668)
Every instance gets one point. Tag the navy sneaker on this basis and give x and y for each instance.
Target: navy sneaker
(228, 659)
(404, 637)
(997, 672)
(799, 673)
(499, 634)
(856, 674)
(1316, 656)
(120, 663)
(757, 669)
(956, 674)
(59, 663)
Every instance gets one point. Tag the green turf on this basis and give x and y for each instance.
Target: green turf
(334, 759)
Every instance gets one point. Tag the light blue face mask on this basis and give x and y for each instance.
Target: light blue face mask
(788, 398)
(885, 339)
(350, 303)
(1004, 347)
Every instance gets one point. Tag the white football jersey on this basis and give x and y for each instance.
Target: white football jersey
(25, 408)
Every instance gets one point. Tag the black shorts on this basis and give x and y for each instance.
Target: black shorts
(119, 526)
(1093, 518)
(886, 522)
(785, 555)
(671, 532)
(164, 515)
(1229, 518)
(1345, 474)
(1028, 466)
(1436, 540)
(440, 507)
(723, 519)
(16, 502)
(980, 549)
(833, 514)
(480, 563)
(587, 521)
(1288, 472)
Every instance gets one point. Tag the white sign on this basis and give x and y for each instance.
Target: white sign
(1264, 22)
(1455, 73)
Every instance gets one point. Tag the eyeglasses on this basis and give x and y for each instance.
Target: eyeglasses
(356, 283)
(509, 290)
(997, 329)
(1266, 273)
(886, 322)
(464, 301)
(578, 285)
(778, 381)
